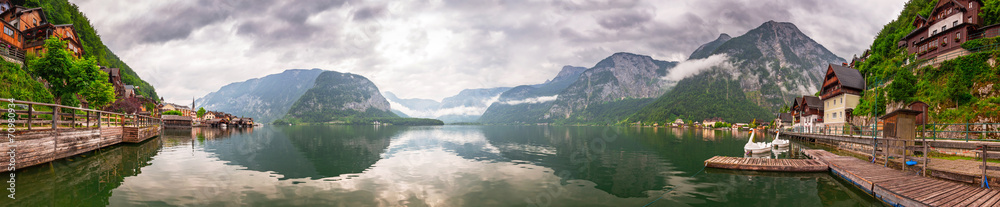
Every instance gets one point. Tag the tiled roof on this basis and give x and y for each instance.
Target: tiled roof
(849, 77)
(813, 101)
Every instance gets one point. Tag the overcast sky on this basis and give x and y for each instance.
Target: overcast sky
(435, 48)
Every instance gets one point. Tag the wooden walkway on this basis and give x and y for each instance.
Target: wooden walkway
(766, 164)
(41, 136)
(904, 189)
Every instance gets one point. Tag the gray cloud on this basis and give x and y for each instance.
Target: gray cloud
(624, 20)
(434, 49)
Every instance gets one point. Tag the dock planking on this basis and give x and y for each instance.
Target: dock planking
(905, 189)
(766, 164)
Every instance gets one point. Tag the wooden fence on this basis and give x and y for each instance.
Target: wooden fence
(44, 132)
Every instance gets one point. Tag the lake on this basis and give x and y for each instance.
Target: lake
(426, 166)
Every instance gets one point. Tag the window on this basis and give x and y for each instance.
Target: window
(954, 24)
(934, 33)
(8, 31)
(958, 36)
(943, 28)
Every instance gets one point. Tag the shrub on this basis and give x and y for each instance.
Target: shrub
(172, 112)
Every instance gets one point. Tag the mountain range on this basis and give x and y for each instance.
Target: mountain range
(528, 103)
(762, 70)
(735, 78)
(466, 106)
(265, 99)
(339, 96)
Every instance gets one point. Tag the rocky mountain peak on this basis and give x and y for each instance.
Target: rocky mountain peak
(570, 70)
(707, 49)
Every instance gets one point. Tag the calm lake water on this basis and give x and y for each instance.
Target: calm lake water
(425, 166)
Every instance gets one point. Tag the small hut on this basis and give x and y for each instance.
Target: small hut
(175, 121)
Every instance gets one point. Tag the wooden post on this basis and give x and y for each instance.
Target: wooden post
(904, 155)
(984, 167)
(874, 149)
(886, 151)
(88, 119)
(99, 117)
(55, 117)
(72, 121)
(924, 171)
(30, 117)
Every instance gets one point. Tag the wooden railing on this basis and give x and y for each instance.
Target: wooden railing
(904, 148)
(12, 53)
(39, 116)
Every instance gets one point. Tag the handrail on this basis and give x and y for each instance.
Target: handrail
(74, 120)
(71, 107)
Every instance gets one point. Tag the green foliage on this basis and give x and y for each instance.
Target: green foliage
(608, 113)
(977, 44)
(966, 71)
(173, 112)
(871, 104)
(100, 92)
(990, 13)
(722, 125)
(16, 83)
(706, 95)
(926, 10)
(63, 12)
(201, 112)
(148, 105)
(68, 75)
(903, 88)
(885, 56)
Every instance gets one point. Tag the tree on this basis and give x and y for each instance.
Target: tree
(990, 12)
(100, 93)
(903, 88)
(172, 112)
(67, 75)
(201, 112)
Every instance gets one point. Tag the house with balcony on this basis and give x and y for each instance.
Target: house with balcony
(36, 36)
(34, 28)
(841, 93)
(939, 36)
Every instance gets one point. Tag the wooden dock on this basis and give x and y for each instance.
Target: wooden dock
(35, 139)
(898, 188)
(766, 164)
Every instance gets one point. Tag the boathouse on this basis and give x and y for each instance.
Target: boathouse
(841, 93)
(175, 121)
